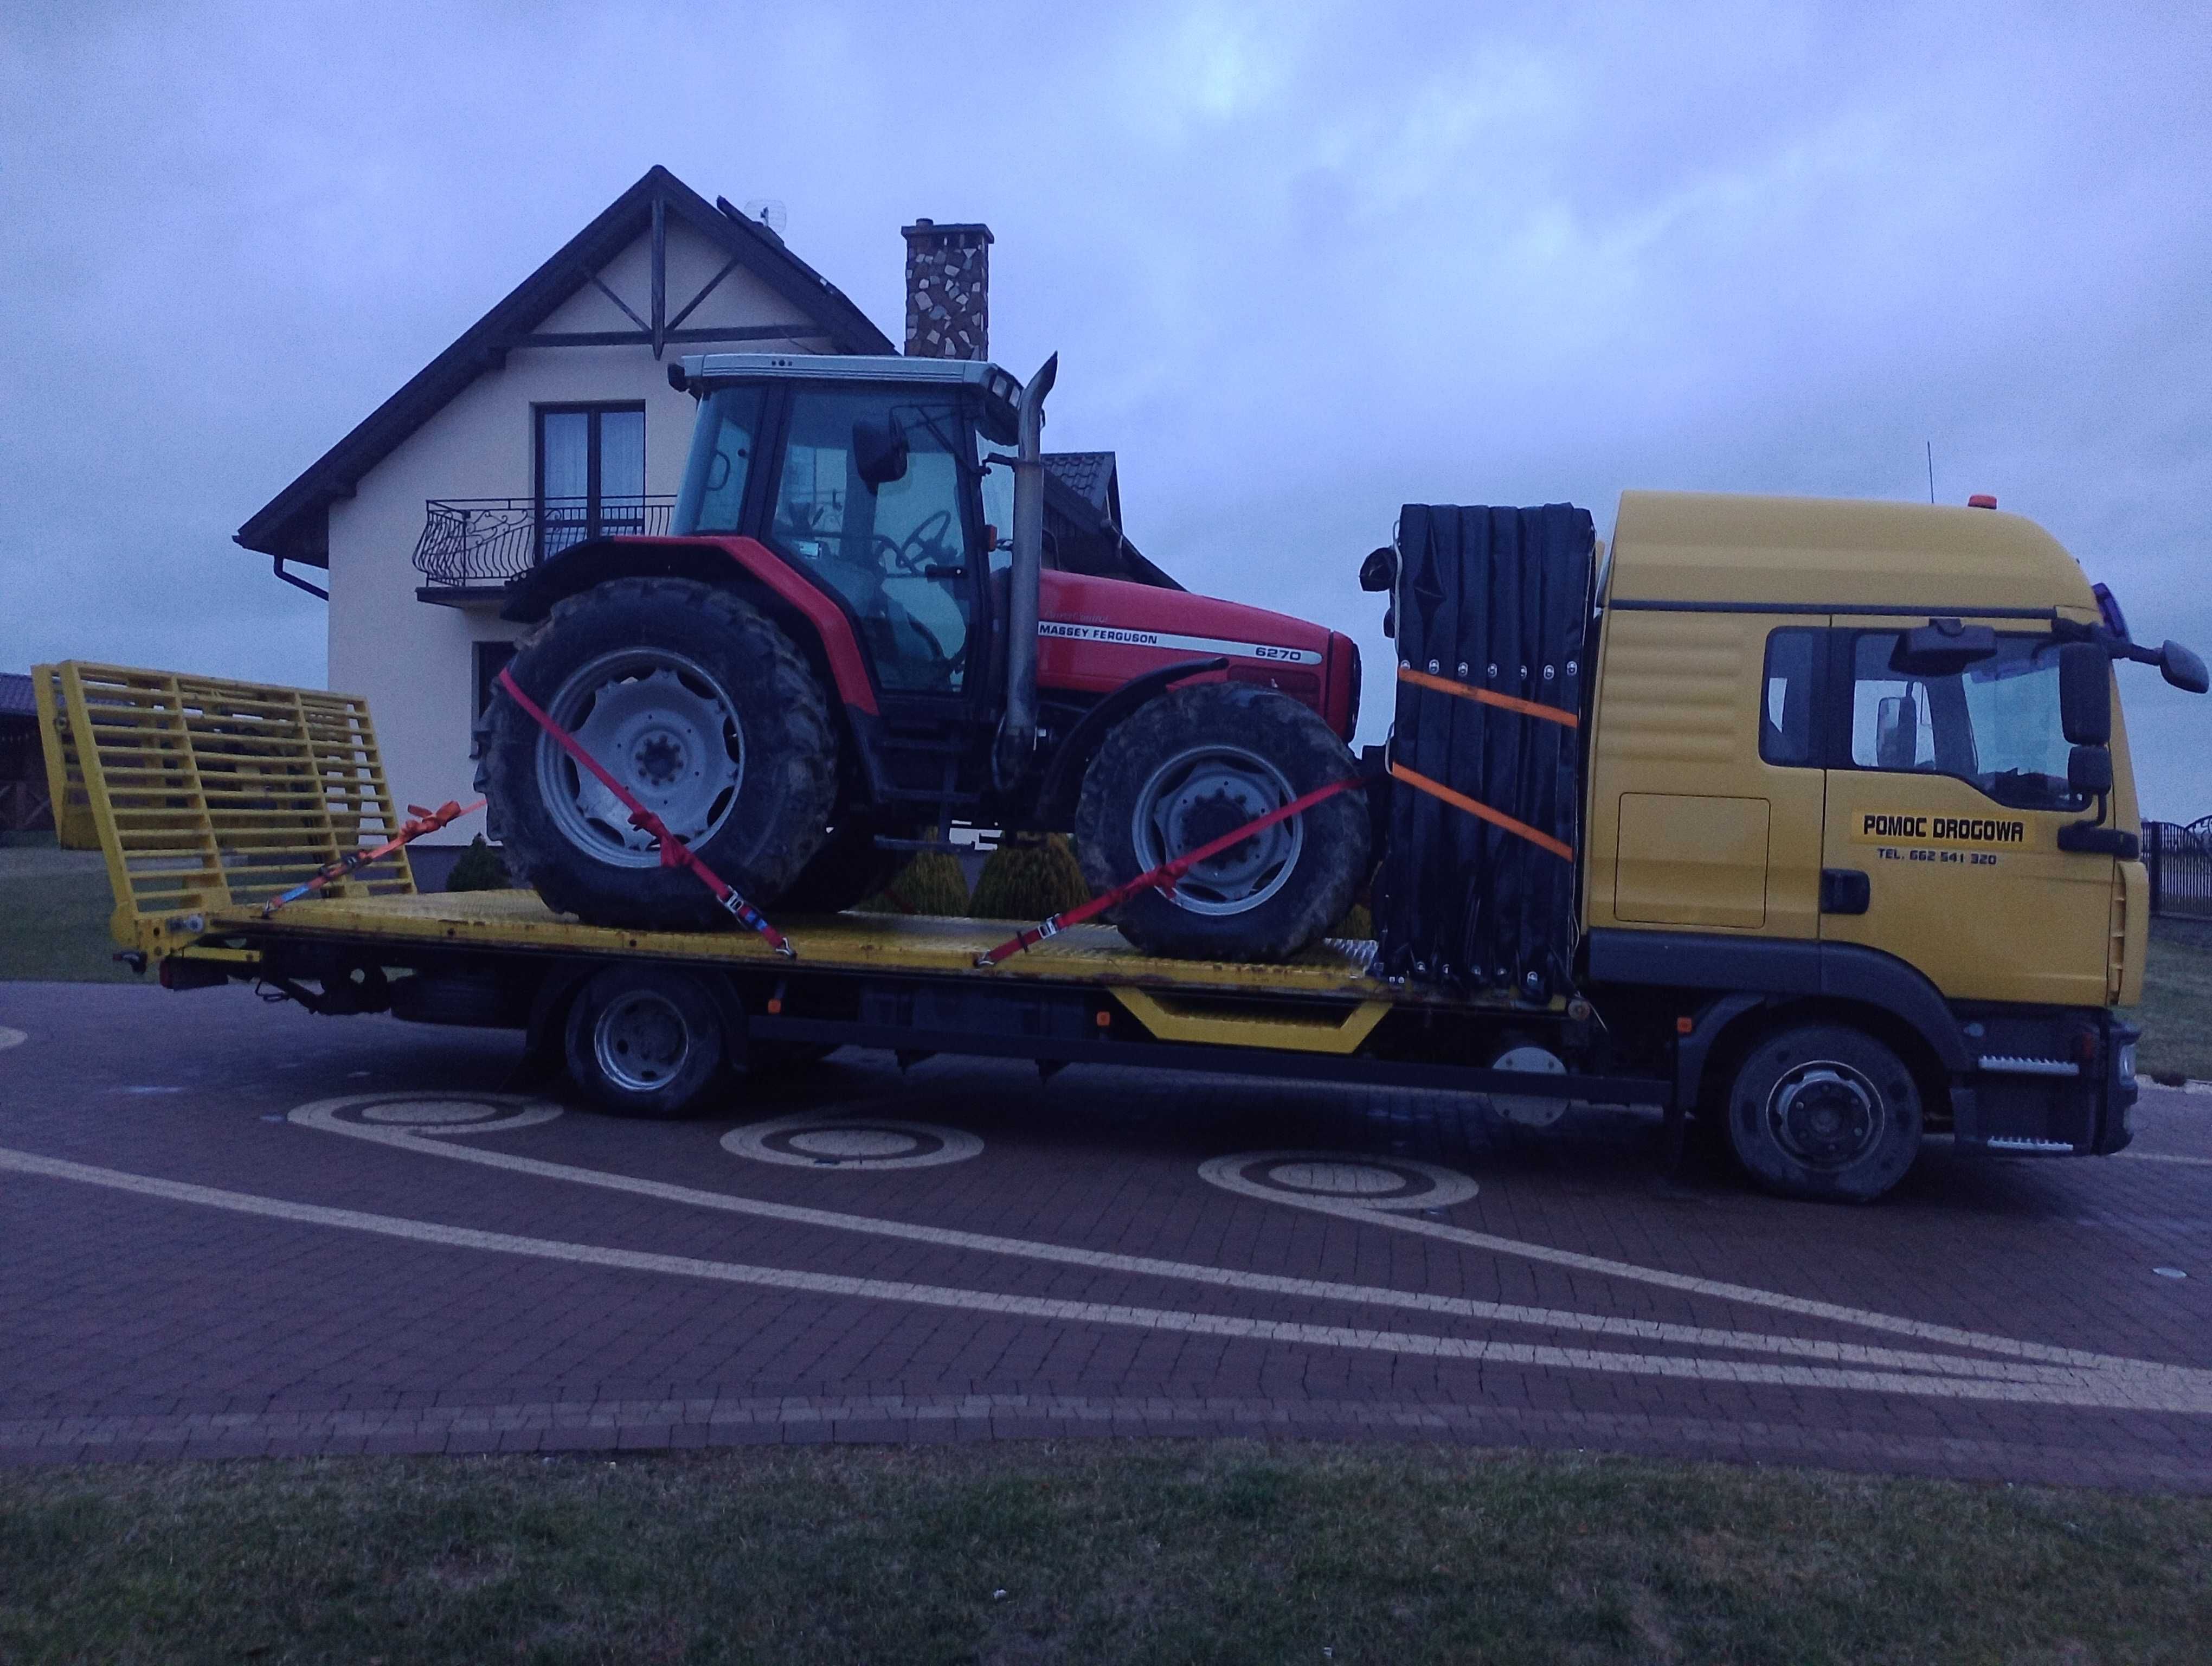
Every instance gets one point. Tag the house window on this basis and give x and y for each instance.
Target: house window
(491, 659)
(590, 473)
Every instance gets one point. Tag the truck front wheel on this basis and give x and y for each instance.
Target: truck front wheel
(1823, 1110)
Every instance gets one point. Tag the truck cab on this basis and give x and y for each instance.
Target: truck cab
(1866, 757)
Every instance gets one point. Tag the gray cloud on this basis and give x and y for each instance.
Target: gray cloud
(1301, 266)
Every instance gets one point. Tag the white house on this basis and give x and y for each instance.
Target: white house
(551, 420)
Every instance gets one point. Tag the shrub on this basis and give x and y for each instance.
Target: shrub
(481, 868)
(931, 884)
(1030, 881)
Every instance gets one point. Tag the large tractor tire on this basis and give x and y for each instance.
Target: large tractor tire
(704, 711)
(1200, 762)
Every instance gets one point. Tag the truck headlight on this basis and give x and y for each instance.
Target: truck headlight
(2127, 1061)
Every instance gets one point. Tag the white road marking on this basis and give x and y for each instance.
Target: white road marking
(324, 1114)
(2104, 1389)
(1386, 1182)
(2166, 1157)
(850, 1141)
(11, 1038)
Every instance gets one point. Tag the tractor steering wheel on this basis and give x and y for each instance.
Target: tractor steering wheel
(922, 547)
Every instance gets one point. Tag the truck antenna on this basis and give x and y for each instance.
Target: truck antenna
(1931, 471)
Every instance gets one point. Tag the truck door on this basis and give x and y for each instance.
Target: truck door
(1946, 794)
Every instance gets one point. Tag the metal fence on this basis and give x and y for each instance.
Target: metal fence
(489, 540)
(2181, 863)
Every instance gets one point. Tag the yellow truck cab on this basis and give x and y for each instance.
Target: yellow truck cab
(1859, 766)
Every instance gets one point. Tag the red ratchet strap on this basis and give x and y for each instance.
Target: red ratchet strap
(419, 822)
(1166, 873)
(674, 853)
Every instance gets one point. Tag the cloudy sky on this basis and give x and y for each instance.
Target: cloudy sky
(1302, 265)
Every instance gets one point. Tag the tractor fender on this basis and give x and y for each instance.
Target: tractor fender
(811, 616)
(1063, 776)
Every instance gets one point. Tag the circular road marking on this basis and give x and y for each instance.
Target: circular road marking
(430, 1114)
(1372, 1182)
(815, 1140)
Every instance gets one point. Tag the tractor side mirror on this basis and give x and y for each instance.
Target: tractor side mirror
(2181, 668)
(2089, 771)
(2085, 694)
(878, 451)
(1380, 570)
(1942, 647)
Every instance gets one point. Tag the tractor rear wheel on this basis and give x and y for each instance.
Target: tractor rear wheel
(1198, 762)
(703, 710)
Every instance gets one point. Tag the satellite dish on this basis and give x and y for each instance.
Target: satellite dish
(770, 212)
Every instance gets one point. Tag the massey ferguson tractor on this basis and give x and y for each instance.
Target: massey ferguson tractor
(859, 632)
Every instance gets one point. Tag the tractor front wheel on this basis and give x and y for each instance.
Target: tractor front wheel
(703, 710)
(1200, 762)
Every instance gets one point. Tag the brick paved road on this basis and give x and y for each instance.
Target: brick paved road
(230, 1229)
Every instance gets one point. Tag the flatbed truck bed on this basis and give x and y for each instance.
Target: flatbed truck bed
(209, 798)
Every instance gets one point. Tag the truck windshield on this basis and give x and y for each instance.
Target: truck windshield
(722, 448)
(1995, 724)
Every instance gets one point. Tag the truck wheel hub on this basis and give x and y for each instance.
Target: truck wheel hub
(664, 728)
(641, 1041)
(1197, 796)
(1826, 1114)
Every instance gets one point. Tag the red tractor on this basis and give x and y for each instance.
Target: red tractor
(858, 633)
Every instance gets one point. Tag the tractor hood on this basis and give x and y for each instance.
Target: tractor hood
(1094, 634)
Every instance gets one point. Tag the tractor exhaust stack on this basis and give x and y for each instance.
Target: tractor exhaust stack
(1018, 729)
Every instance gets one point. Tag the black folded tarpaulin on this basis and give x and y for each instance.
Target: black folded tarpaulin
(1492, 610)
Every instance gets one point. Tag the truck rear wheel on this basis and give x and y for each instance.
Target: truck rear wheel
(704, 711)
(1823, 1110)
(644, 1041)
(1197, 763)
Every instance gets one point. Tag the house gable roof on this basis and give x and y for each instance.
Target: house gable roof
(292, 526)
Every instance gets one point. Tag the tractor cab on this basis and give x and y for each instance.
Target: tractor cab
(872, 477)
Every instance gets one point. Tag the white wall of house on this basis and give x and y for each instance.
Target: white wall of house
(414, 660)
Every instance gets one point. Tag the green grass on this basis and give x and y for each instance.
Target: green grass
(53, 919)
(2176, 1014)
(1160, 1552)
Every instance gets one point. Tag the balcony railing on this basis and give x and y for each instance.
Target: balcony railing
(489, 540)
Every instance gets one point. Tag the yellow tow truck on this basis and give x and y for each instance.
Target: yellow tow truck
(1859, 864)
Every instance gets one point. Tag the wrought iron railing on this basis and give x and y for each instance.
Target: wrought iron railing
(489, 540)
(2181, 863)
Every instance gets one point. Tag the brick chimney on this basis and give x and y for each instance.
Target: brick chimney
(948, 291)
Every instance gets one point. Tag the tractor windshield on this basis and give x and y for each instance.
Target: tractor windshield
(722, 446)
(870, 500)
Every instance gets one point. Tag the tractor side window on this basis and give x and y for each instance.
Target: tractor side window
(722, 446)
(998, 500)
(1785, 719)
(869, 502)
(1994, 724)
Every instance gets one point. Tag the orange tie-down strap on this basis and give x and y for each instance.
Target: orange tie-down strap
(1505, 702)
(1437, 789)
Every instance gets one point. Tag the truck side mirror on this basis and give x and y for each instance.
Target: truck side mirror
(2181, 668)
(1897, 733)
(2085, 694)
(878, 451)
(2089, 771)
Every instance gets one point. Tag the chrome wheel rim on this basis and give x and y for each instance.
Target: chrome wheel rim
(1198, 795)
(641, 1042)
(1826, 1114)
(662, 726)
